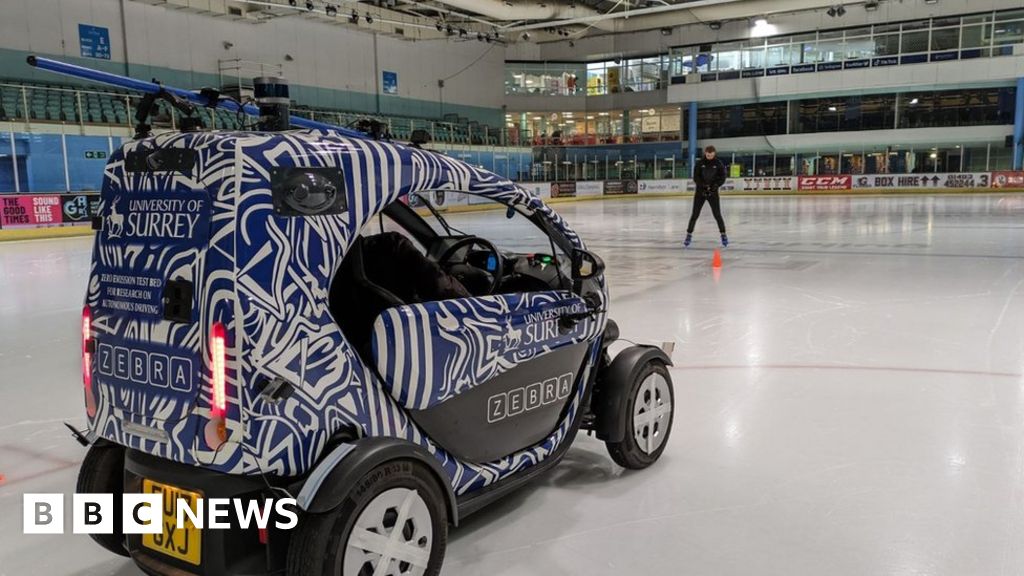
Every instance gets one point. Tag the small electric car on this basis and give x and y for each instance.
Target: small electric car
(290, 314)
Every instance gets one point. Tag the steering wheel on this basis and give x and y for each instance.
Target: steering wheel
(494, 277)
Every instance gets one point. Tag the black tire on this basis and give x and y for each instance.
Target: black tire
(628, 453)
(102, 471)
(320, 541)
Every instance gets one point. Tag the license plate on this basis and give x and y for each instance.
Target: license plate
(183, 543)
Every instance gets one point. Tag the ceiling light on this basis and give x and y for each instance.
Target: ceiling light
(715, 25)
(871, 6)
(354, 17)
(931, 1)
(760, 23)
(840, 11)
(914, 101)
(330, 10)
(667, 31)
(292, 3)
(439, 26)
(526, 36)
(832, 108)
(832, 12)
(309, 6)
(369, 19)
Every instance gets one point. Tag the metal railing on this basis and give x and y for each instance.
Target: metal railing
(30, 105)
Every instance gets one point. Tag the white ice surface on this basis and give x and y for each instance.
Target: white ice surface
(848, 391)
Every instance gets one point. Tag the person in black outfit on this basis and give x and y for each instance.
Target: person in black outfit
(709, 174)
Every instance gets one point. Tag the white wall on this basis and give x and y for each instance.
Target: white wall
(325, 55)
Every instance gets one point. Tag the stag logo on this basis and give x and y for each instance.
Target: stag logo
(513, 336)
(115, 221)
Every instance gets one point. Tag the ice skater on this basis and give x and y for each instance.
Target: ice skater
(709, 174)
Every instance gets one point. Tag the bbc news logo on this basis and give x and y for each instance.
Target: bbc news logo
(152, 513)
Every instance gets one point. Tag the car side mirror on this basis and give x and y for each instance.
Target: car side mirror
(586, 265)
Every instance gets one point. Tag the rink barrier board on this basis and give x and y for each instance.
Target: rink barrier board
(33, 216)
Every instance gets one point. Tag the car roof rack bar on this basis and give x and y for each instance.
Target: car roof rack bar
(199, 99)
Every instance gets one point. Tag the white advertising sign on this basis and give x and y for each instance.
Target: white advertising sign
(589, 188)
(667, 186)
(936, 181)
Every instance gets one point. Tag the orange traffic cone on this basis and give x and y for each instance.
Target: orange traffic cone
(716, 261)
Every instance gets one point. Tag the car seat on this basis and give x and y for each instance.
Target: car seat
(355, 300)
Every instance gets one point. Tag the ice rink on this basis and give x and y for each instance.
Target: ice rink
(849, 396)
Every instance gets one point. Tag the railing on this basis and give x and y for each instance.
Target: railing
(46, 105)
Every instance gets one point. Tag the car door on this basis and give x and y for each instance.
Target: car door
(489, 375)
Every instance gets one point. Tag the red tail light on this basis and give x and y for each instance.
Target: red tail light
(263, 536)
(218, 369)
(87, 347)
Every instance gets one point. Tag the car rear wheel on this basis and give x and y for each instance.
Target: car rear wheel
(102, 472)
(394, 522)
(649, 414)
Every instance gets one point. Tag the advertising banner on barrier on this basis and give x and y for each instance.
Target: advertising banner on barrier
(29, 211)
(619, 187)
(1008, 179)
(566, 189)
(667, 186)
(834, 182)
(950, 181)
(79, 208)
(590, 188)
(539, 189)
(766, 183)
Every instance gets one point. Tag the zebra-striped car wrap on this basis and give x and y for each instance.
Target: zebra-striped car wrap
(267, 278)
(431, 352)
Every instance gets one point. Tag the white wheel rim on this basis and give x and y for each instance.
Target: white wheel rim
(391, 537)
(652, 413)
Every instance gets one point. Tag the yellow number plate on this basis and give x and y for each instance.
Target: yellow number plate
(183, 543)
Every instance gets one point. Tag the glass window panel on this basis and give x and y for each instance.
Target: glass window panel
(977, 19)
(826, 51)
(782, 55)
(1011, 15)
(754, 57)
(887, 28)
(975, 36)
(946, 39)
(862, 47)
(887, 44)
(1008, 33)
(918, 25)
(597, 80)
(914, 42)
(728, 57)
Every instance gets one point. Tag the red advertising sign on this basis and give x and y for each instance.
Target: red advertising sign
(825, 182)
(1008, 179)
(30, 211)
